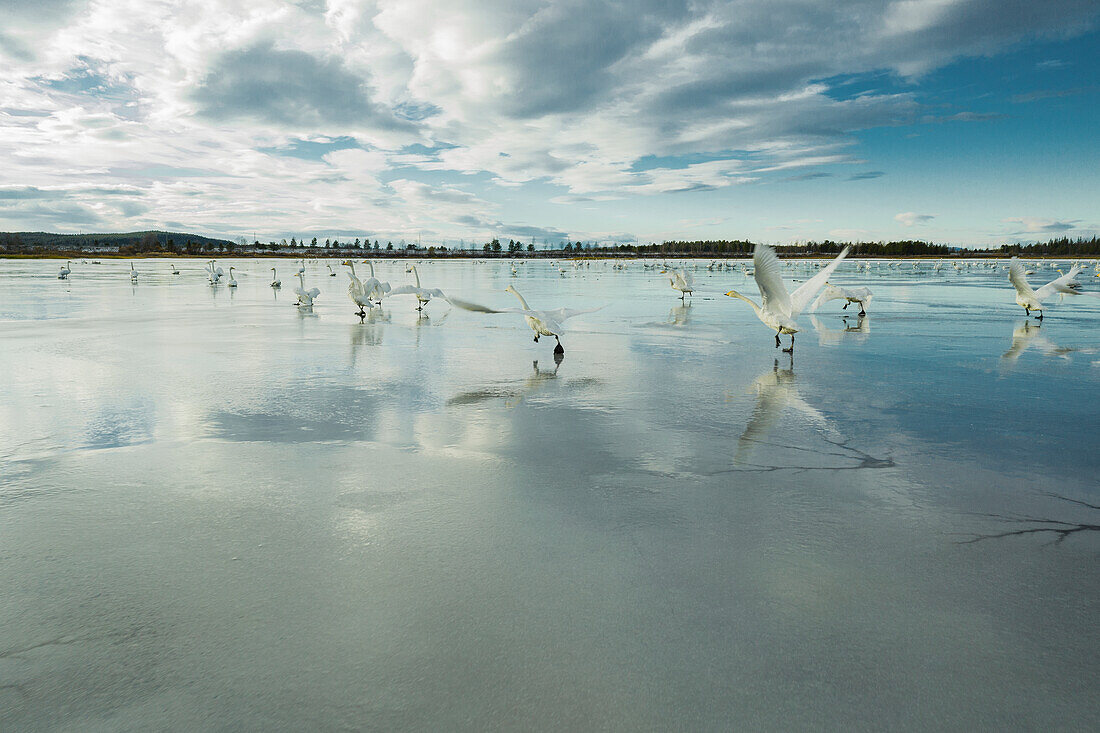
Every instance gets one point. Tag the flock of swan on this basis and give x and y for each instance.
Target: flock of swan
(778, 309)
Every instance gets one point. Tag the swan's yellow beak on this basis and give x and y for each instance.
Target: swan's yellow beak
(732, 293)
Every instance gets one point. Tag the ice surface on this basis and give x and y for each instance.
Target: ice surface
(218, 511)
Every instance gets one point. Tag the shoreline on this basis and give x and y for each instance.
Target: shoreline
(539, 255)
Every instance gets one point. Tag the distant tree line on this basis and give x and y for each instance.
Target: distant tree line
(169, 243)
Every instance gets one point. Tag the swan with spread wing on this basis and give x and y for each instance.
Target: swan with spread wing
(1032, 300)
(542, 322)
(859, 296)
(778, 309)
(423, 295)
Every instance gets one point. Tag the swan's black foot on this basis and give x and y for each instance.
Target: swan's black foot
(558, 349)
(788, 351)
(862, 312)
(845, 307)
(536, 338)
(1040, 316)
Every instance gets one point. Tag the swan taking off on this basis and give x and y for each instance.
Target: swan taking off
(275, 279)
(778, 309)
(1030, 299)
(681, 280)
(305, 297)
(423, 295)
(360, 291)
(861, 296)
(543, 323)
(64, 271)
(232, 283)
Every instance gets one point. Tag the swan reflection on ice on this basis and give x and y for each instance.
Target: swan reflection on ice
(1029, 336)
(852, 332)
(775, 391)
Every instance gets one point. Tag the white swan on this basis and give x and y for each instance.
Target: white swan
(232, 283)
(133, 273)
(305, 297)
(213, 274)
(681, 280)
(64, 271)
(423, 295)
(380, 290)
(275, 283)
(360, 291)
(543, 323)
(778, 309)
(175, 270)
(862, 296)
(331, 272)
(1030, 299)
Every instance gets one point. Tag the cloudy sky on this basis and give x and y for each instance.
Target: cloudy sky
(968, 121)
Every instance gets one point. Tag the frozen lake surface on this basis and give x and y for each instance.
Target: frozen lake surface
(220, 512)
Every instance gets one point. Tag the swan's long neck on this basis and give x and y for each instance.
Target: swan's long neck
(521, 300)
(371, 266)
(352, 266)
(755, 307)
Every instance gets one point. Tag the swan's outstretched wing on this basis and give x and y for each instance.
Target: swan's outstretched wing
(806, 292)
(478, 308)
(1065, 284)
(689, 279)
(434, 292)
(1018, 277)
(767, 271)
(404, 290)
(561, 314)
(831, 292)
(313, 292)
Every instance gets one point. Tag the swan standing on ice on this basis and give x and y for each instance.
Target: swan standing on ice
(423, 295)
(380, 289)
(305, 297)
(213, 274)
(360, 291)
(232, 283)
(1030, 299)
(778, 309)
(862, 296)
(681, 280)
(133, 273)
(543, 323)
(64, 271)
(275, 283)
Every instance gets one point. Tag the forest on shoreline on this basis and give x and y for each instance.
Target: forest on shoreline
(176, 244)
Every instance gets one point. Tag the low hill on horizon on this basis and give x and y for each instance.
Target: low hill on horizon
(146, 241)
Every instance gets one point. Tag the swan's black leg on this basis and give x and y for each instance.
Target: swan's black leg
(536, 338)
(845, 306)
(777, 339)
(1027, 312)
(791, 349)
(1040, 315)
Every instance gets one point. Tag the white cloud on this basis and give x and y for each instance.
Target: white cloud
(911, 218)
(196, 105)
